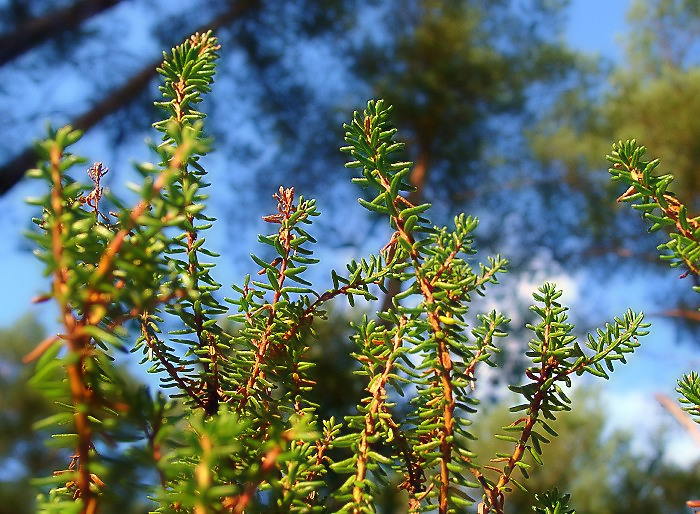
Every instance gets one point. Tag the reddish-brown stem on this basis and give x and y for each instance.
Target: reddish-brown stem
(471, 366)
(78, 346)
(307, 314)
(77, 341)
(495, 493)
(378, 392)
(445, 366)
(443, 373)
(286, 208)
(211, 404)
(171, 370)
(151, 433)
(268, 463)
(321, 448)
(415, 477)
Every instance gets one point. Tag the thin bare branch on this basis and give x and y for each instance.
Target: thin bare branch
(52, 25)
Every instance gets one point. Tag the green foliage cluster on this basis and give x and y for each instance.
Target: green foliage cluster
(649, 194)
(237, 430)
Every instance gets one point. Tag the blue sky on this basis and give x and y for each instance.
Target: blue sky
(597, 26)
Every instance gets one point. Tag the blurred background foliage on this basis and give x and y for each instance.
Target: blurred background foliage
(502, 119)
(22, 451)
(599, 467)
(653, 95)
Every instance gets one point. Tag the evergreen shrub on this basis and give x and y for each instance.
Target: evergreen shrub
(233, 427)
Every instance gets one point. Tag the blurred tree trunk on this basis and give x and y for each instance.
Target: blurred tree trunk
(13, 171)
(36, 31)
(419, 174)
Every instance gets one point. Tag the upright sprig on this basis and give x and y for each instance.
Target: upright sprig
(438, 281)
(92, 257)
(555, 357)
(649, 193)
(270, 373)
(107, 268)
(272, 318)
(188, 72)
(425, 341)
